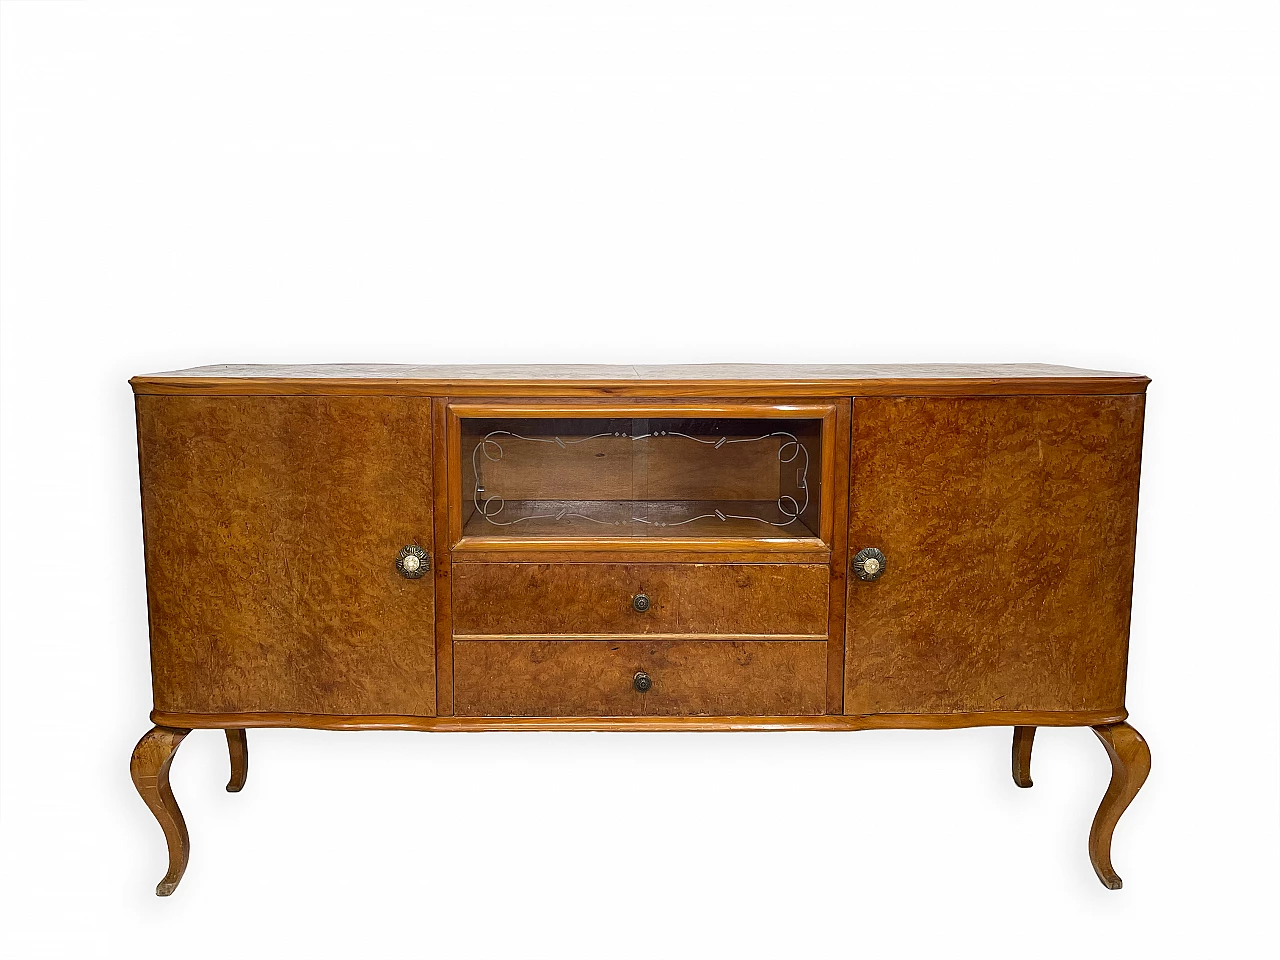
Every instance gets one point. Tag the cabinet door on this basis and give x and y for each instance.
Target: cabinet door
(272, 529)
(1008, 526)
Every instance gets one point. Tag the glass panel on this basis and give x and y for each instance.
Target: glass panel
(641, 477)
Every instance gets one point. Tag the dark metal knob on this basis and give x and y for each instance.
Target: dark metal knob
(868, 564)
(413, 562)
(640, 603)
(642, 682)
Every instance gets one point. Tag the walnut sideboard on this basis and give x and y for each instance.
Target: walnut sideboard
(721, 547)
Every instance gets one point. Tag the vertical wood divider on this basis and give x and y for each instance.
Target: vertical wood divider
(836, 627)
(444, 599)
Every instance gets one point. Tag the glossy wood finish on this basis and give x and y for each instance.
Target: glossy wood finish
(238, 748)
(679, 380)
(1009, 528)
(1130, 765)
(699, 599)
(650, 553)
(1023, 737)
(839, 561)
(950, 721)
(594, 678)
(272, 525)
(720, 549)
(149, 768)
(443, 562)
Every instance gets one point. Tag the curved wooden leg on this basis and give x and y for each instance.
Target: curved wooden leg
(1022, 739)
(149, 768)
(1130, 764)
(238, 747)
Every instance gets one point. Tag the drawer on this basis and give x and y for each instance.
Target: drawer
(531, 677)
(515, 599)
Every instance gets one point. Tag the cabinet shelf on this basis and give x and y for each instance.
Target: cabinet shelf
(642, 519)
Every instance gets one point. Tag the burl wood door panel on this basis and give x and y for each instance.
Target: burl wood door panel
(272, 526)
(1008, 525)
(595, 598)
(596, 678)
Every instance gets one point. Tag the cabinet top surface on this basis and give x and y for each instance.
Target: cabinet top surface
(628, 373)
(620, 379)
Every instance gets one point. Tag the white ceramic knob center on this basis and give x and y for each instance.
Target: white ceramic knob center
(871, 565)
(411, 563)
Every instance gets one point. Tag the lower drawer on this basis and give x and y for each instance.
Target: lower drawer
(597, 678)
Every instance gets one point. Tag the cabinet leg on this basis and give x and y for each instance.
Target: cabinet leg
(1130, 764)
(149, 768)
(1022, 739)
(238, 747)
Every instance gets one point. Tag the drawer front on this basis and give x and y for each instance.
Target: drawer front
(597, 678)
(514, 599)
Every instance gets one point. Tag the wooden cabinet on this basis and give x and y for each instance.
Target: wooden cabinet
(718, 548)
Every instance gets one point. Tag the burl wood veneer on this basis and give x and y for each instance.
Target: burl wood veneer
(1010, 524)
(268, 524)
(728, 547)
(596, 678)
(690, 598)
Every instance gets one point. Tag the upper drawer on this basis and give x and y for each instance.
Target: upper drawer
(601, 598)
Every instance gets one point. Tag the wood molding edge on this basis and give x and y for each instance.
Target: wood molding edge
(884, 721)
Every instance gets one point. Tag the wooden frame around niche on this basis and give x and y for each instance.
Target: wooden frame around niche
(777, 549)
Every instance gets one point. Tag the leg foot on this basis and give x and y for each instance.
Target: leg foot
(1022, 739)
(149, 768)
(238, 746)
(1130, 764)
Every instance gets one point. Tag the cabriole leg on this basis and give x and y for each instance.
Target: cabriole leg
(149, 768)
(1130, 764)
(1022, 739)
(238, 746)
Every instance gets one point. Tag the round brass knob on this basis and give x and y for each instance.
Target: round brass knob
(642, 682)
(640, 603)
(413, 562)
(868, 564)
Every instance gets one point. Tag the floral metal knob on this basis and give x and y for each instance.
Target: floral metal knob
(640, 603)
(642, 682)
(413, 562)
(868, 564)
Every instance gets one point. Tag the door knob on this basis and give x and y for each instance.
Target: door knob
(868, 564)
(413, 562)
(640, 603)
(642, 682)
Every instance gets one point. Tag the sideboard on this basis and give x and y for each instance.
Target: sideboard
(710, 547)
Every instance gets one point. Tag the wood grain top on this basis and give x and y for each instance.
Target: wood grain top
(713, 379)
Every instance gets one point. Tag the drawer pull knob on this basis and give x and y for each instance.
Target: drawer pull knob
(640, 603)
(869, 564)
(413, 562)
(642, 682)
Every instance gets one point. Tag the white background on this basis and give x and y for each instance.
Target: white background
(1093, 183)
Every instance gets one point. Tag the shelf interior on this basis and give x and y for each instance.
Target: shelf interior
(640, 519)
